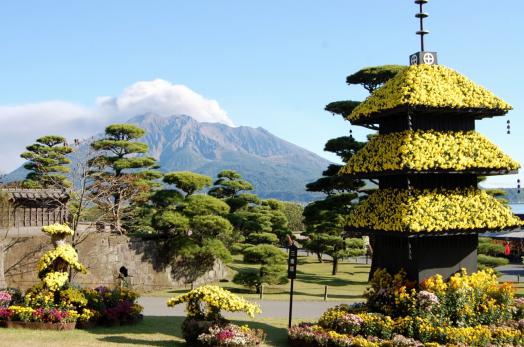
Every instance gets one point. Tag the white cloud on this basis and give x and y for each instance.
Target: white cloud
(163, 98)
(21, 125)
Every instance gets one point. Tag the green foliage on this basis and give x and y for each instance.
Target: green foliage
(342, 108)
(188, 182)
(293, 212)
(373, 77)
(122, 174)
(267, 274)
(166, 197)
(262, 238)
(488, 247)
(170, 222)
(489, 261)
(119, 149)
(210, 227)
(47, 163)
(229, 184)
(345, 147)
(273, 274)
(241, 201)
(238, 248)
(249, 278)
(265, 255)
(325, 220)
(204, 204)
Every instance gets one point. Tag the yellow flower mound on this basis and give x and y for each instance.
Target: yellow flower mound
(55, 229)
(424, 150)
(55, 280)
(435, 210)
(66, 252)
(216, 298)
(433, 86)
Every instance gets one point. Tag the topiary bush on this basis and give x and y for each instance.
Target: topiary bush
(263, 238)
(204, 306)
(489, 261)
(264, 254)
(238, 248)
(488, 247)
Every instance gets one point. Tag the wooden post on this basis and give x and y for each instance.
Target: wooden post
(261, 291)
(325, 293)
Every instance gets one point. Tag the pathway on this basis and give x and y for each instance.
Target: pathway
(156, 306)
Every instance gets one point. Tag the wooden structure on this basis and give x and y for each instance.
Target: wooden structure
(28, 209)
(427, 213)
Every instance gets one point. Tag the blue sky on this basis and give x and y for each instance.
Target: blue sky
(273, 64)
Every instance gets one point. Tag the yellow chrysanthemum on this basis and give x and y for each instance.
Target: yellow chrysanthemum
(429, 86)
(426, 150)
(435, 210)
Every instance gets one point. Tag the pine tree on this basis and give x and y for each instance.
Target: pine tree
(123, 172)
(325, 219)
(47, 163)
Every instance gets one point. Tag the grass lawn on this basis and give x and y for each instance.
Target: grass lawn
(312, 276)
(153, 331)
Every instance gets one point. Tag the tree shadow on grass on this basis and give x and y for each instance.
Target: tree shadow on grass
(327, 280)
(170, 332)
(166, 328)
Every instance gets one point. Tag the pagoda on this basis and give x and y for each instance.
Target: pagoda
(426, 215)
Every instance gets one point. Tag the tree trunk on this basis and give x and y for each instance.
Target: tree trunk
(117, 213)
(319, 257)
(335, 266)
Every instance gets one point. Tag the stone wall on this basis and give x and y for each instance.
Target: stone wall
(103, 254)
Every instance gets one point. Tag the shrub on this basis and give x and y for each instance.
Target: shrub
(488, 247)
(273, 274)
(264, 254)
(238, 248)
(112, 305)
(249, 278)
(490, 261)
(263, 238)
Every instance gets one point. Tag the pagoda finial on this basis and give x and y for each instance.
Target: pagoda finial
(421, 15)
(422, 57)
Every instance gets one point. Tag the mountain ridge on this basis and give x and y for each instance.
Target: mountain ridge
(277, 168)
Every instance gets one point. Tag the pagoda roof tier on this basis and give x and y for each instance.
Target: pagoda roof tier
(432, 90)
(431, 211)
(429, 151)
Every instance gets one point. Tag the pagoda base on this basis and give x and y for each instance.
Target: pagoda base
(423, 256)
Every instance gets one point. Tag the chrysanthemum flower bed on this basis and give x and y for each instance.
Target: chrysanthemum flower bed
(86, 307)
(55, 304)
(433, 87)
(428, 150)
(204, 324)
(431, 210)
(468, 310)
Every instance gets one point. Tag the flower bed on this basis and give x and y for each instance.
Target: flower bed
(231, 335)
(469, 310)
(431, 210)
(427, 150)
(55, 304)
(87, 307)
